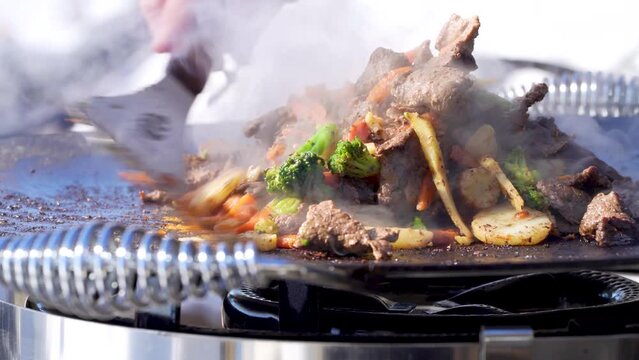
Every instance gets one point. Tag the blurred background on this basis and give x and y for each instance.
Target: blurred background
(57, 52)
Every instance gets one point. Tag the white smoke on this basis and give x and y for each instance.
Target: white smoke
(612, 140)
(329, 41)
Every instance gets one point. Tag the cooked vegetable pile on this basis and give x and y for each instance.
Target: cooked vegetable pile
(415, 134)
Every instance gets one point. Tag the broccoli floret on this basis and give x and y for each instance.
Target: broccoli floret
(266, 226)
(285, 206)
(322, 143)
(524, 179)
(300, 175)
(351, 158)
(418, 224)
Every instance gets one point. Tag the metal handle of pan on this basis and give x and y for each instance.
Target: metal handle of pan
(585, 93)
(101, 270)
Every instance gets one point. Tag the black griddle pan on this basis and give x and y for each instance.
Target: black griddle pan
(60, 180)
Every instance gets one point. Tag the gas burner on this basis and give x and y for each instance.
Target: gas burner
(425, 310)
(574, 303)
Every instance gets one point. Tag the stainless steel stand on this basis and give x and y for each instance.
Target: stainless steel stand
(27, 334)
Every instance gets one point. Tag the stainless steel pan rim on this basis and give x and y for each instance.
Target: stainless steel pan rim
(28, 334)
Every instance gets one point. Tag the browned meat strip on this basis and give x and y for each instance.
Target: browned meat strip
(358, 191)
(289, 224)
(381, 62)
(591, 180)
(519, 115)
(628, 190)
(542, 141)
(431, 88)
(456, 42)
(383, 233)
(565, 201)
(402, 169)
(356, 112)
(569, 196)
(607, 222)
(155, 197)
(328, 228)
(397, 139)
(423, 54)
(268, 126)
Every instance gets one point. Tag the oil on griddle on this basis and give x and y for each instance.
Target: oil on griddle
(56, 181)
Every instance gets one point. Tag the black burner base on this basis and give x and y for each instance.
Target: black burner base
(575, 303)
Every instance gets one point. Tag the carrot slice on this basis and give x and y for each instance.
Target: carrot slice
(231, 202)
(360, 130)
(244, 204)
(250, 224)
(275, 151)
(382, 89)
(138, 178)
(427, 193)
(444, 237)
(286, 241)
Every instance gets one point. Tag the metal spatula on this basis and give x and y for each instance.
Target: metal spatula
(150, 123)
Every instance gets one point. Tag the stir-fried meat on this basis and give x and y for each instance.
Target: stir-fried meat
(607, 221)
(290, 224)
(358, 191)
(628, 190)
(519, 115)
(569, 196)
(403, 169)
(591, 180)
(423, 54)
(431, 88)
(268, 126)
(331, 229)
(356, 112)
(383, 233)
(567, 203)
(380, 63)
(456, 42)
(442, 87)
(155, 197)
(397, 139)
(542, 138)
(545, 143)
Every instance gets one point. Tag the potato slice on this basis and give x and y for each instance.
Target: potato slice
(412, 239)
(482, 142)
(507, 187)
(502, 225)
(479, 188)
(263, 242)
